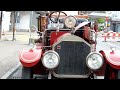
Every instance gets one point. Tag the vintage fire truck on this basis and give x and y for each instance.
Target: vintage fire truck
(66, 48)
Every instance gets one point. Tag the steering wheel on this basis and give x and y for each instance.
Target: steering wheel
(57, 16)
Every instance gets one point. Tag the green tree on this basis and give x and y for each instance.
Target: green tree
(101, 20)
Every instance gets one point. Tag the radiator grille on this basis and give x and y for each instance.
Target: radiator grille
(72, 58)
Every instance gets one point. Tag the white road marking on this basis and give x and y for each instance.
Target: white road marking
(11, 71)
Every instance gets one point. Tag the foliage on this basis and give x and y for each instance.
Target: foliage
(91, 19)
(100, 28)
(101, 20)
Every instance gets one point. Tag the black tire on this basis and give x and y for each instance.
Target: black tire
(111, 73)
(118, 74)
(27, 73)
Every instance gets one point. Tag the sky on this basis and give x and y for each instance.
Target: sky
(71, 12)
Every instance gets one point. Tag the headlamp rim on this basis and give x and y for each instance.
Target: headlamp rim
(90, 55)
(68, 17)
(51, 51)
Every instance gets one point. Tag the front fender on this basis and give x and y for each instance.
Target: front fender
(112, 58)
(29, 58)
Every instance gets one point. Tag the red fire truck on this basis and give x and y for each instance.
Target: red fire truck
(66, 49)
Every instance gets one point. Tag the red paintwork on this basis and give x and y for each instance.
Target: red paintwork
(86, 32)
(113, 58)
(54, 36)
(29, 58)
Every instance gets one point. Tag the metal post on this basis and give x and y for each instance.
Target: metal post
(1, 23)
(31, 15)
(14, 19)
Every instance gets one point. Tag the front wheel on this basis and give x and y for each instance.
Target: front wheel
(27, 73)
(118, 75)
(111, 73)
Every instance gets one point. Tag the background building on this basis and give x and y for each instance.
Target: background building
(115, 21)
(5, 21)
(24, 19)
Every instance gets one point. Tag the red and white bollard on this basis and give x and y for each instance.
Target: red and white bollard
(105, 39)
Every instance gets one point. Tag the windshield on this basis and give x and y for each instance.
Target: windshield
(52, 25)
(61, 25)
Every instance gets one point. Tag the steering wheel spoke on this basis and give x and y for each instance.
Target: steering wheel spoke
(57, 16)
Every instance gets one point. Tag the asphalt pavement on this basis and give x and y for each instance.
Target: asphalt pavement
(9, 50)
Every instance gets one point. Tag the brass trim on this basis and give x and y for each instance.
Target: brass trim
(70, 76)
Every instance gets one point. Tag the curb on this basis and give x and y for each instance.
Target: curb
(11, 71)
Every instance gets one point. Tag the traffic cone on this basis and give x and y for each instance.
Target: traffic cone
(105, 39)
(119, 36)
(108, 35)
(113, 36)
